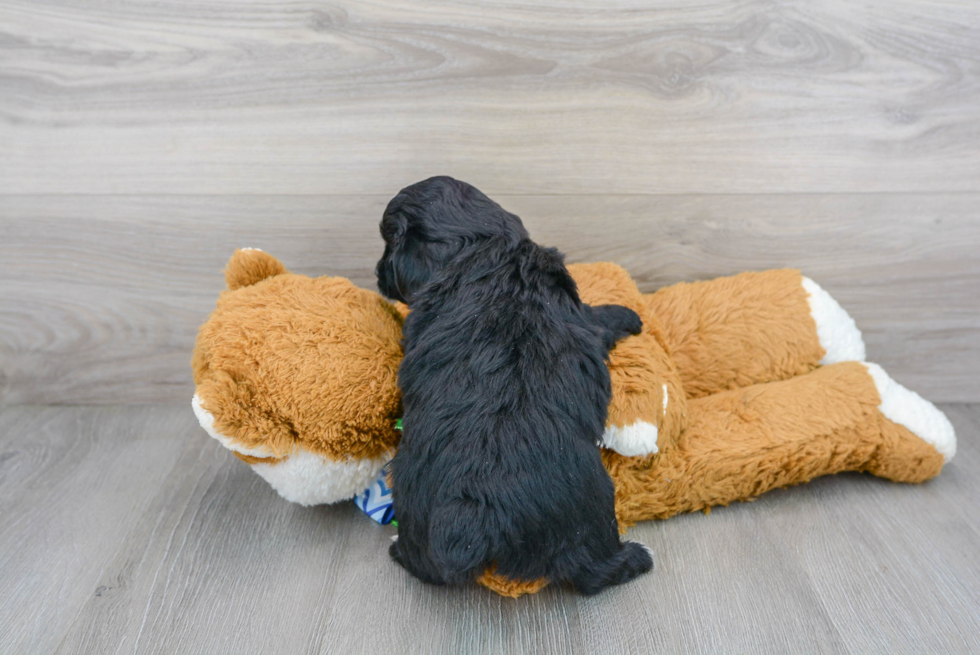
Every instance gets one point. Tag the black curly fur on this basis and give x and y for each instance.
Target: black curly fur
(505, 390)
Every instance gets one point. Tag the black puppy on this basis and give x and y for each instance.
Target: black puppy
(505, 390)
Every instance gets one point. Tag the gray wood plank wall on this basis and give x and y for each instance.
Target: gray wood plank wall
(142, 141)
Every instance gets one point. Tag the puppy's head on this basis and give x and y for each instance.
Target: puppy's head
(430, 222)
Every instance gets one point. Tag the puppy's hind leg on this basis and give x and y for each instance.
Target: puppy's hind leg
(459, 540)
(631, 560)
(415, 562)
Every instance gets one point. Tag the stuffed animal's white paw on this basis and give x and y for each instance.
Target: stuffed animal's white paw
(838, 333)
(639, 438)
(907, 408)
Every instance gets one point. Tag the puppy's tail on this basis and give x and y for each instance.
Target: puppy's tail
(460, 538)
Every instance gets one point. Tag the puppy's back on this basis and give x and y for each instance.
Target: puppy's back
(505, 391)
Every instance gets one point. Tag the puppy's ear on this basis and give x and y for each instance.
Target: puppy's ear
(394, 227)
(412, 267)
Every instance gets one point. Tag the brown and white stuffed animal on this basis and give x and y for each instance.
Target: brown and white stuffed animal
(735, 386)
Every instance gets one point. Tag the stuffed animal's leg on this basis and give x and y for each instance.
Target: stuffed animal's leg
(750, 328)
(742, 443)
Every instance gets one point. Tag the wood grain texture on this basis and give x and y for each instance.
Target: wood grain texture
(101, 297)
(126, 529)
(72, 484)
(255, 96)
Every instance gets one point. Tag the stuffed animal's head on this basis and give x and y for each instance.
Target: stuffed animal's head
(298, 377)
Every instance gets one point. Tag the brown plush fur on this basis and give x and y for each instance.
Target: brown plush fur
(507, 587)
(293, 361)
(286, 360)
(743, 442)
(249, 266)
(736, 331)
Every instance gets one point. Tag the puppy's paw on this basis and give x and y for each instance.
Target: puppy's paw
(632, 323)
(620, 321)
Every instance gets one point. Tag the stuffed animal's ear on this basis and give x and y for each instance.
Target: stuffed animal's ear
(250, 265)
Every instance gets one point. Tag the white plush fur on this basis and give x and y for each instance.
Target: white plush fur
(639, 438)
(837, 331)
(920, 416)
(206, 420)
(310, 479)
(302, 477)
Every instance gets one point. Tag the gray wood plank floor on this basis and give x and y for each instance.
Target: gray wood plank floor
(126, 529)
